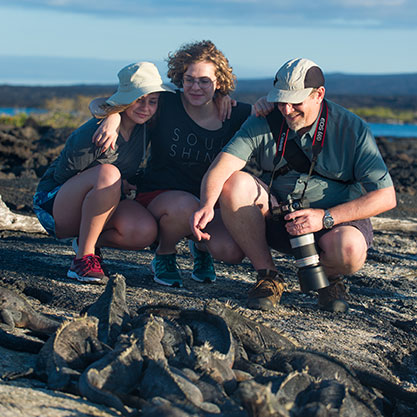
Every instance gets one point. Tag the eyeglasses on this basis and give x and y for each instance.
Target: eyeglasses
(203, 82)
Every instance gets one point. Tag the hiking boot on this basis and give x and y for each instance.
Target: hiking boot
(333, 298)
(87, 269)
(203, 265)
(267, 292)
(164, 268)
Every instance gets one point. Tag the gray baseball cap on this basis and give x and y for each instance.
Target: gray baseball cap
(295, 80)
(135, 81)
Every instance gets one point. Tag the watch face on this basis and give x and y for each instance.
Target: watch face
(328, 221)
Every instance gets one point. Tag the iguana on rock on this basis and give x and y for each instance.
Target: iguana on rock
(15, 311)
(324, 368)
(111, 310)
(112, 378)
(255, 337)
(162, 380)
(68, 352)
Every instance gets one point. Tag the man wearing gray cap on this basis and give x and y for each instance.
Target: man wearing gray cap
(312, 151)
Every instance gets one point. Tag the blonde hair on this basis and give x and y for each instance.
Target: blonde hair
(203, 51)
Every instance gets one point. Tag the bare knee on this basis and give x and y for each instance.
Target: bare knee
(108, 175)
(353, 256)
(139, 233)
(343, 253)
(236, 184)
(177, 209)
(241, 189)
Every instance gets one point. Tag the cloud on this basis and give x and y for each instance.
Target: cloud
(358, 13)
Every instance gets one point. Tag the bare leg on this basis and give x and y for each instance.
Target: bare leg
(244, 205)
(221, 244)
(172, 210)
(343, 251)
(84, 204)
(131, 227)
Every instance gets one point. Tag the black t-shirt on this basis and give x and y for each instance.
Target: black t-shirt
(181, 150)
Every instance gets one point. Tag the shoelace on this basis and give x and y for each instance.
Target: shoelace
(203, 260)
(167, 264)
(266, 285)
(90, 263)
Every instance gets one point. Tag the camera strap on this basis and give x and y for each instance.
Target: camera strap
(296, 159)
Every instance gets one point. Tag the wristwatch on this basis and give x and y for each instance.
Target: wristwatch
(328, 221)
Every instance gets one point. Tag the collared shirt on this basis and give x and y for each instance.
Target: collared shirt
(349, 165)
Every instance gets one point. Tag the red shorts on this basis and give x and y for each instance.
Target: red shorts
(146, 198)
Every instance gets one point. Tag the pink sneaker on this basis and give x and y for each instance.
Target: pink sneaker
(88, 269)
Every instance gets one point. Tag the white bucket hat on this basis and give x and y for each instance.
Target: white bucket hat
(295, 80)
(135, 81)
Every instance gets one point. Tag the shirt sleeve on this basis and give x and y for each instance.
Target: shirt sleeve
(370, 169)
(78, 154)
(247, 139)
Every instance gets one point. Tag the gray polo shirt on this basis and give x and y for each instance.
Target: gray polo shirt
(349, 165)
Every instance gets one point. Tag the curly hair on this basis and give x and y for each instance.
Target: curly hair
(203, 51)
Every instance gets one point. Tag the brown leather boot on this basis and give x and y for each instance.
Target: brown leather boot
(334, 297)
(267, 291)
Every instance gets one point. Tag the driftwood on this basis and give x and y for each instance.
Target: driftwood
(394, 225)
(18, 222)
(29, 224)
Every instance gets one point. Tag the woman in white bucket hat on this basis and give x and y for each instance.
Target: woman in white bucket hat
(188, 136)
(81, 196)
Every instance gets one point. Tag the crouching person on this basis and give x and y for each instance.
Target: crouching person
(80, 196)
(309, 149)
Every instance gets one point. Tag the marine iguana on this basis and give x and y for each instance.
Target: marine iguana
(15, 311)
(111, 310)
(68, 352)
(112, 378)
(324, 368)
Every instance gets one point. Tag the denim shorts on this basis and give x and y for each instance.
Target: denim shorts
(278, 238)
(43, 202)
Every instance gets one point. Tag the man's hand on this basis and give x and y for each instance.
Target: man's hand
(262, 107)
(199, 220)
(107, 133)
(304, 221)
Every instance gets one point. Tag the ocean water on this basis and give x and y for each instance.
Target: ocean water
(394, 130)
(11, 111)
(378, 129)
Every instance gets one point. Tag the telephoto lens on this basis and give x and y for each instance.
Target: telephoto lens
(311, 274)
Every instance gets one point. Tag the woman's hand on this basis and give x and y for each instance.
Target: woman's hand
(106, 135)
(224, 106)
(262, 107)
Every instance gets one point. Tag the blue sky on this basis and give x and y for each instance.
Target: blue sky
(47, 38)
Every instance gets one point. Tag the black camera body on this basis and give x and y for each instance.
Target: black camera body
(311, 274)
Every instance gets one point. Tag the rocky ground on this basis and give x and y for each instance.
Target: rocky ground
(378, 335)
